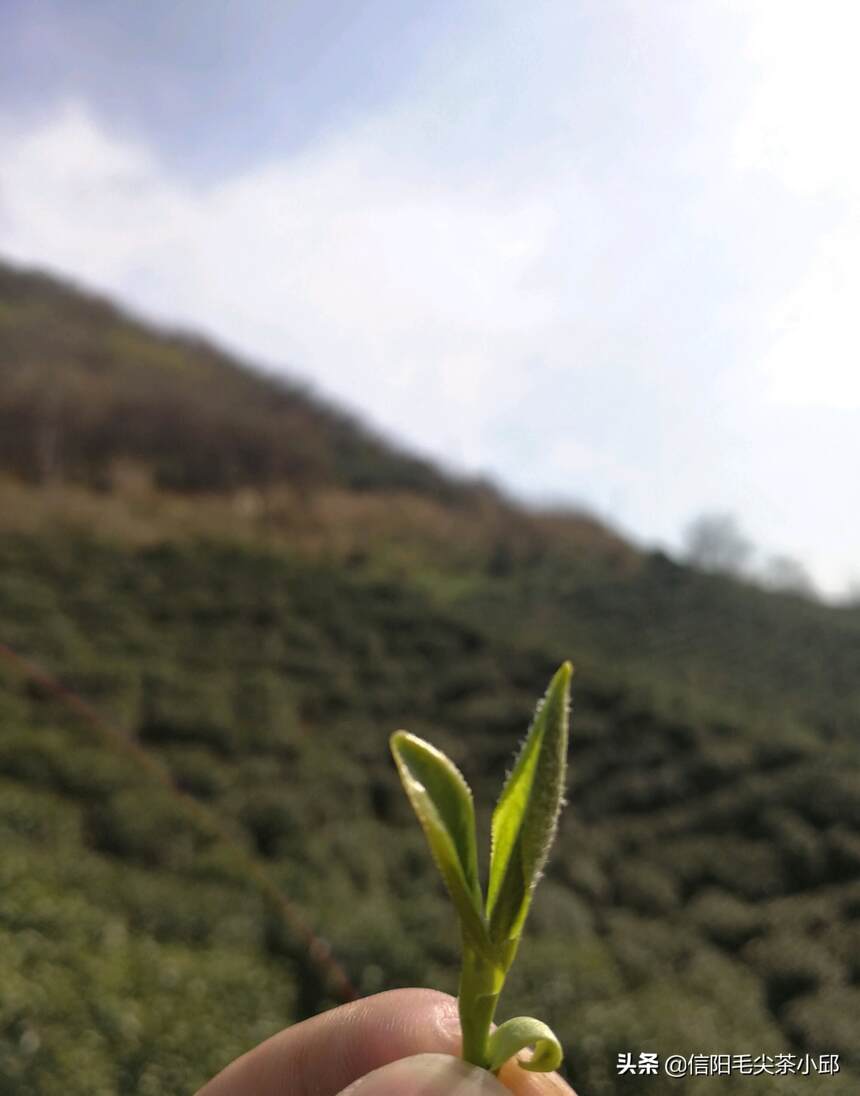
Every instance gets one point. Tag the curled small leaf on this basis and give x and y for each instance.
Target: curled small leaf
(442, 801)
(517, 1034)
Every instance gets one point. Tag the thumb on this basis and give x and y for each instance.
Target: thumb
(427, 1075)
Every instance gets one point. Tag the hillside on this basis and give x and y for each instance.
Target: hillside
(87, 390)
(704, 896)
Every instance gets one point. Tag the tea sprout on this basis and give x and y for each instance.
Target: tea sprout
(523, 828)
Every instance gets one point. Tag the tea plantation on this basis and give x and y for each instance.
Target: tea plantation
(703, 896)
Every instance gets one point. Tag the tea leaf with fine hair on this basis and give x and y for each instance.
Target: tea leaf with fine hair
(525, 817)
(443, 803)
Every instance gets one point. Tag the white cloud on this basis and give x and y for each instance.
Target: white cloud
(798, 134)
(420, 299)
(814, 358)
(801, 119)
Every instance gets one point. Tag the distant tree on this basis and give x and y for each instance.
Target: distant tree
(714, 542)
(851, 598)
(787, 575)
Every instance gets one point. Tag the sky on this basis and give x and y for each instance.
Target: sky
(606, 253)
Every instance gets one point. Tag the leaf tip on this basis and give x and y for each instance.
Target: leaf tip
(397, 739)
(564, 673)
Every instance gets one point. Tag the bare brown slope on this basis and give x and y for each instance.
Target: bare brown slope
(149, 434)
(84, 386)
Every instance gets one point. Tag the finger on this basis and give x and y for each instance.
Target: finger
(523, 1083)
(323, 1055)
(443, 1075)
(427, 1075)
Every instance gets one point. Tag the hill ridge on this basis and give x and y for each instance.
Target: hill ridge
(85, 382)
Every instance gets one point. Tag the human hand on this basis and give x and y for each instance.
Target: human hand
(400, 1043)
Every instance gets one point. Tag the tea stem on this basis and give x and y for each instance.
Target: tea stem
(480, 986)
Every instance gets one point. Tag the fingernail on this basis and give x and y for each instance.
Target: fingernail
(522, 1082)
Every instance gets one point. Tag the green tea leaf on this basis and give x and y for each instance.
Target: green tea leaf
(523, 1031)
(443, 802)
(525, 817)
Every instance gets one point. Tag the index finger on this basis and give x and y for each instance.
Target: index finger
(321, 1056)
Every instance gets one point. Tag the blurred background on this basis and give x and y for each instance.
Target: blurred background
(358, 363)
